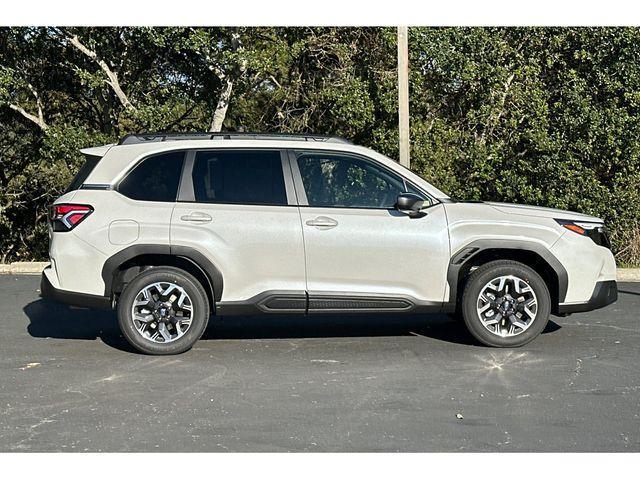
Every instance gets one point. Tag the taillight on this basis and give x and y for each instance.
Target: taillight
(66, 216)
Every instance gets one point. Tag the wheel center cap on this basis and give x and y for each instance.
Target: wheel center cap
(506, 306)
(162, 311)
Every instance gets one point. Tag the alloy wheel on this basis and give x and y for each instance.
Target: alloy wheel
(507, 306)
(162, 312)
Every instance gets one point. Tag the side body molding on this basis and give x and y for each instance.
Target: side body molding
(192, 255)
(466, 254)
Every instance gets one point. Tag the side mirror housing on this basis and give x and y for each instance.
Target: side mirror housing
(410, 203)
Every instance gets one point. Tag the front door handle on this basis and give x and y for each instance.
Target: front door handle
(196, 217)
(323, 223)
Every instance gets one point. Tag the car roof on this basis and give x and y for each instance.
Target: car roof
(120, 158)
(136, 138)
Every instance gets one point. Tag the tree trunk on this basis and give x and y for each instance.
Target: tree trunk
(221, 108)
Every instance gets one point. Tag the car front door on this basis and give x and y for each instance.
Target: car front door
(237, 208)
(361, 253)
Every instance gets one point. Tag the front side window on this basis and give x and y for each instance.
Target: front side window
(239, 176)
(155, 179)
(339, 180)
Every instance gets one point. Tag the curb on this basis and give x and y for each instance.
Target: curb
(628, 275)
(23, 268)
(35, 268)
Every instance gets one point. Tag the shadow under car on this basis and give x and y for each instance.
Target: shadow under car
(54, 320)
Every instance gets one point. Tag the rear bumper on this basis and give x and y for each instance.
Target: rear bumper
(49, 292)
(604, 293)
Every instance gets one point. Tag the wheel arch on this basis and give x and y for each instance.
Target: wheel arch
(531, 254)
(127, 263)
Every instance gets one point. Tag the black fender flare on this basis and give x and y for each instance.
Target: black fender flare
(198, 259)
(466, 253)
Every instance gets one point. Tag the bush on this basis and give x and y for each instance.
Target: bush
(546, 116)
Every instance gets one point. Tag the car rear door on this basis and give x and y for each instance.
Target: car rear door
(362, 253)
(237, 207)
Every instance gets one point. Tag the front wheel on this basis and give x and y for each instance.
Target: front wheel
(163, 311)
(505, 304)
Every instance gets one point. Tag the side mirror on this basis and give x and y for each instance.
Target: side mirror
(410, 203)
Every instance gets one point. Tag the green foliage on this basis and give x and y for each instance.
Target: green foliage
(546, 116)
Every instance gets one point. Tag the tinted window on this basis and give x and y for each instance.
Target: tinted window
(410, 188)
(239, 176)
(343, 181)
(155, 179)
(89, 164)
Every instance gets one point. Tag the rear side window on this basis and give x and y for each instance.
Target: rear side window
(239, 176)
(89, 164)
(155, 179)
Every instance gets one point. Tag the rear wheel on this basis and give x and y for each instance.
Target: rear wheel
(505, 304)
(163, 311)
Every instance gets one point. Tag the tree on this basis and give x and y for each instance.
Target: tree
(547, 116)
(62, 89)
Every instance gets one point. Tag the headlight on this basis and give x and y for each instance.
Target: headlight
(594, 230)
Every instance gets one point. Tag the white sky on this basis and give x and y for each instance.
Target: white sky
(319, 12)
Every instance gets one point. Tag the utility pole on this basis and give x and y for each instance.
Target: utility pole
(403, 94)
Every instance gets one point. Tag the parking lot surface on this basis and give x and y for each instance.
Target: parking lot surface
(69, 382)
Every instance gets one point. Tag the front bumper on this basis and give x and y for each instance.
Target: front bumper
(604, 293)
(49, 292)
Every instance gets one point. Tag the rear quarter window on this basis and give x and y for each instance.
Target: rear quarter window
(89, 164)
(155, 179)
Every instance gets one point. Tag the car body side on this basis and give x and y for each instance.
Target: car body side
(122, 229)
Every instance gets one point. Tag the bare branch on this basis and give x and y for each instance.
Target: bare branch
(111, 75)
(503, 97)
(273, 79)
(38, 121)
(34, 92)
(217, 71)
(494, 117)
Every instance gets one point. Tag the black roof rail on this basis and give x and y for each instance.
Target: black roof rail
(134, 138)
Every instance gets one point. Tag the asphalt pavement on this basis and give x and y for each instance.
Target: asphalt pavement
(69, 382)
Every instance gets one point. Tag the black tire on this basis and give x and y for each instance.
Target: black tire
(199, 318)
(476, 282)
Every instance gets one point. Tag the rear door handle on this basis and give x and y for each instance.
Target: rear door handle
(323, 223)
(196, 217)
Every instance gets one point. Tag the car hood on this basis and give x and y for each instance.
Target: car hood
(533, 211)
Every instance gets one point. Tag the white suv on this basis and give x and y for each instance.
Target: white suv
(170, 228)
